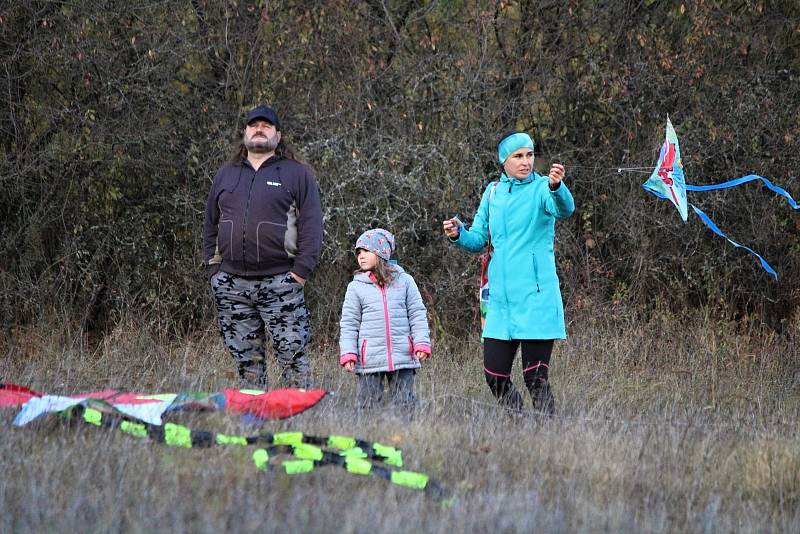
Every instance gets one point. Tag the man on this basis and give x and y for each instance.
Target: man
(262, 237)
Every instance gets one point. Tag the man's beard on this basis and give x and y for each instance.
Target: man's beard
(261, 145)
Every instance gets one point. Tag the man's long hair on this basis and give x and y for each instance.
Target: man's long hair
(282, 151)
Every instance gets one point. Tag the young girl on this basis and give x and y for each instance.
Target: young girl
(384, 326)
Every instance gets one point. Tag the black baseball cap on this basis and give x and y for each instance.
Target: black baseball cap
(265, 113)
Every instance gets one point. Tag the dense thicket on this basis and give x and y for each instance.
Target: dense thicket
(116, 115)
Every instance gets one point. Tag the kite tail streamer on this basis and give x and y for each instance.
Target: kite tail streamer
(726, 185)
(714, 228)
(97, 413)
(305, 452)
(310, 457)
(744, 179)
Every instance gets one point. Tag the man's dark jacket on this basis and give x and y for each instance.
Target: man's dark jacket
(263, 222)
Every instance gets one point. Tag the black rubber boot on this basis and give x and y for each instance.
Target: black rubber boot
(542, 396)
(504, 391)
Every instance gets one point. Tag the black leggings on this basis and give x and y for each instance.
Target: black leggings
(498, 357)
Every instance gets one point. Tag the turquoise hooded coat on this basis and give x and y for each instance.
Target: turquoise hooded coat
(524, 295)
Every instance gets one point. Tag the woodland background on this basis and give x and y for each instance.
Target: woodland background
(116, 115)
(677, 391)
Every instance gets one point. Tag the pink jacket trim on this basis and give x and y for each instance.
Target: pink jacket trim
(422, 347)
(388, 328)
(346, 358)
(536, 366)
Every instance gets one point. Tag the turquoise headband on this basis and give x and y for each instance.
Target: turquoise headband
(511, 143)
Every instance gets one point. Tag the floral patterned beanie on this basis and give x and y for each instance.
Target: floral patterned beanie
(379, 241)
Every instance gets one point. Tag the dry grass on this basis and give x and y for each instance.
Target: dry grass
(684, 432)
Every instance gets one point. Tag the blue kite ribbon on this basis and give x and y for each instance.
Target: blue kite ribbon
(742, 180)
(714, 228)
(725, 185)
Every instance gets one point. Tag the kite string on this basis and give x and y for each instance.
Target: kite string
(618, 170)
(639, 170)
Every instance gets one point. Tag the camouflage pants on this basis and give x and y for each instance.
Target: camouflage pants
(246, 308)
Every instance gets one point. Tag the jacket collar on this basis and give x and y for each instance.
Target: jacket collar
(528, 179)
(243, 161)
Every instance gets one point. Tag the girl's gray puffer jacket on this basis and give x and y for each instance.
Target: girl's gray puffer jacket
(381, 329)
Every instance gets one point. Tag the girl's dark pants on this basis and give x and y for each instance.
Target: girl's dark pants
(498, 358)
(399, 382)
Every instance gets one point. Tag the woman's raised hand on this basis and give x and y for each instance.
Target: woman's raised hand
(556, 174)
(451, 227)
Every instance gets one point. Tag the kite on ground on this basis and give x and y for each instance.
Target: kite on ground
(667, 181)
(274, 404)
(299, 453)
(140, 416)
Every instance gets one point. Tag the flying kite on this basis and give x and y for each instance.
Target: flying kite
(667, 181)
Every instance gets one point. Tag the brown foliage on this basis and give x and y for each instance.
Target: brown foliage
(118, 113)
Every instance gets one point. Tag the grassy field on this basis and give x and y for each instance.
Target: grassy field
(660, 427)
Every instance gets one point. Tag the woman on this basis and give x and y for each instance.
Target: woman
(518, 214)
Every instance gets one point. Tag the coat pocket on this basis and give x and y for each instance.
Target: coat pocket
(269, 239)
(225, 239)
(411, 346)
(364, 353)
(535, 271)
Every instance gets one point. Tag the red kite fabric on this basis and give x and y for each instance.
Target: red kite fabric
(275, 404)
(14, 395)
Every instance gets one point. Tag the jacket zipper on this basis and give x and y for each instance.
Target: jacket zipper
(388, 329)
(247, 210)
(246, 215)
(364, 353)
(505, 232)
